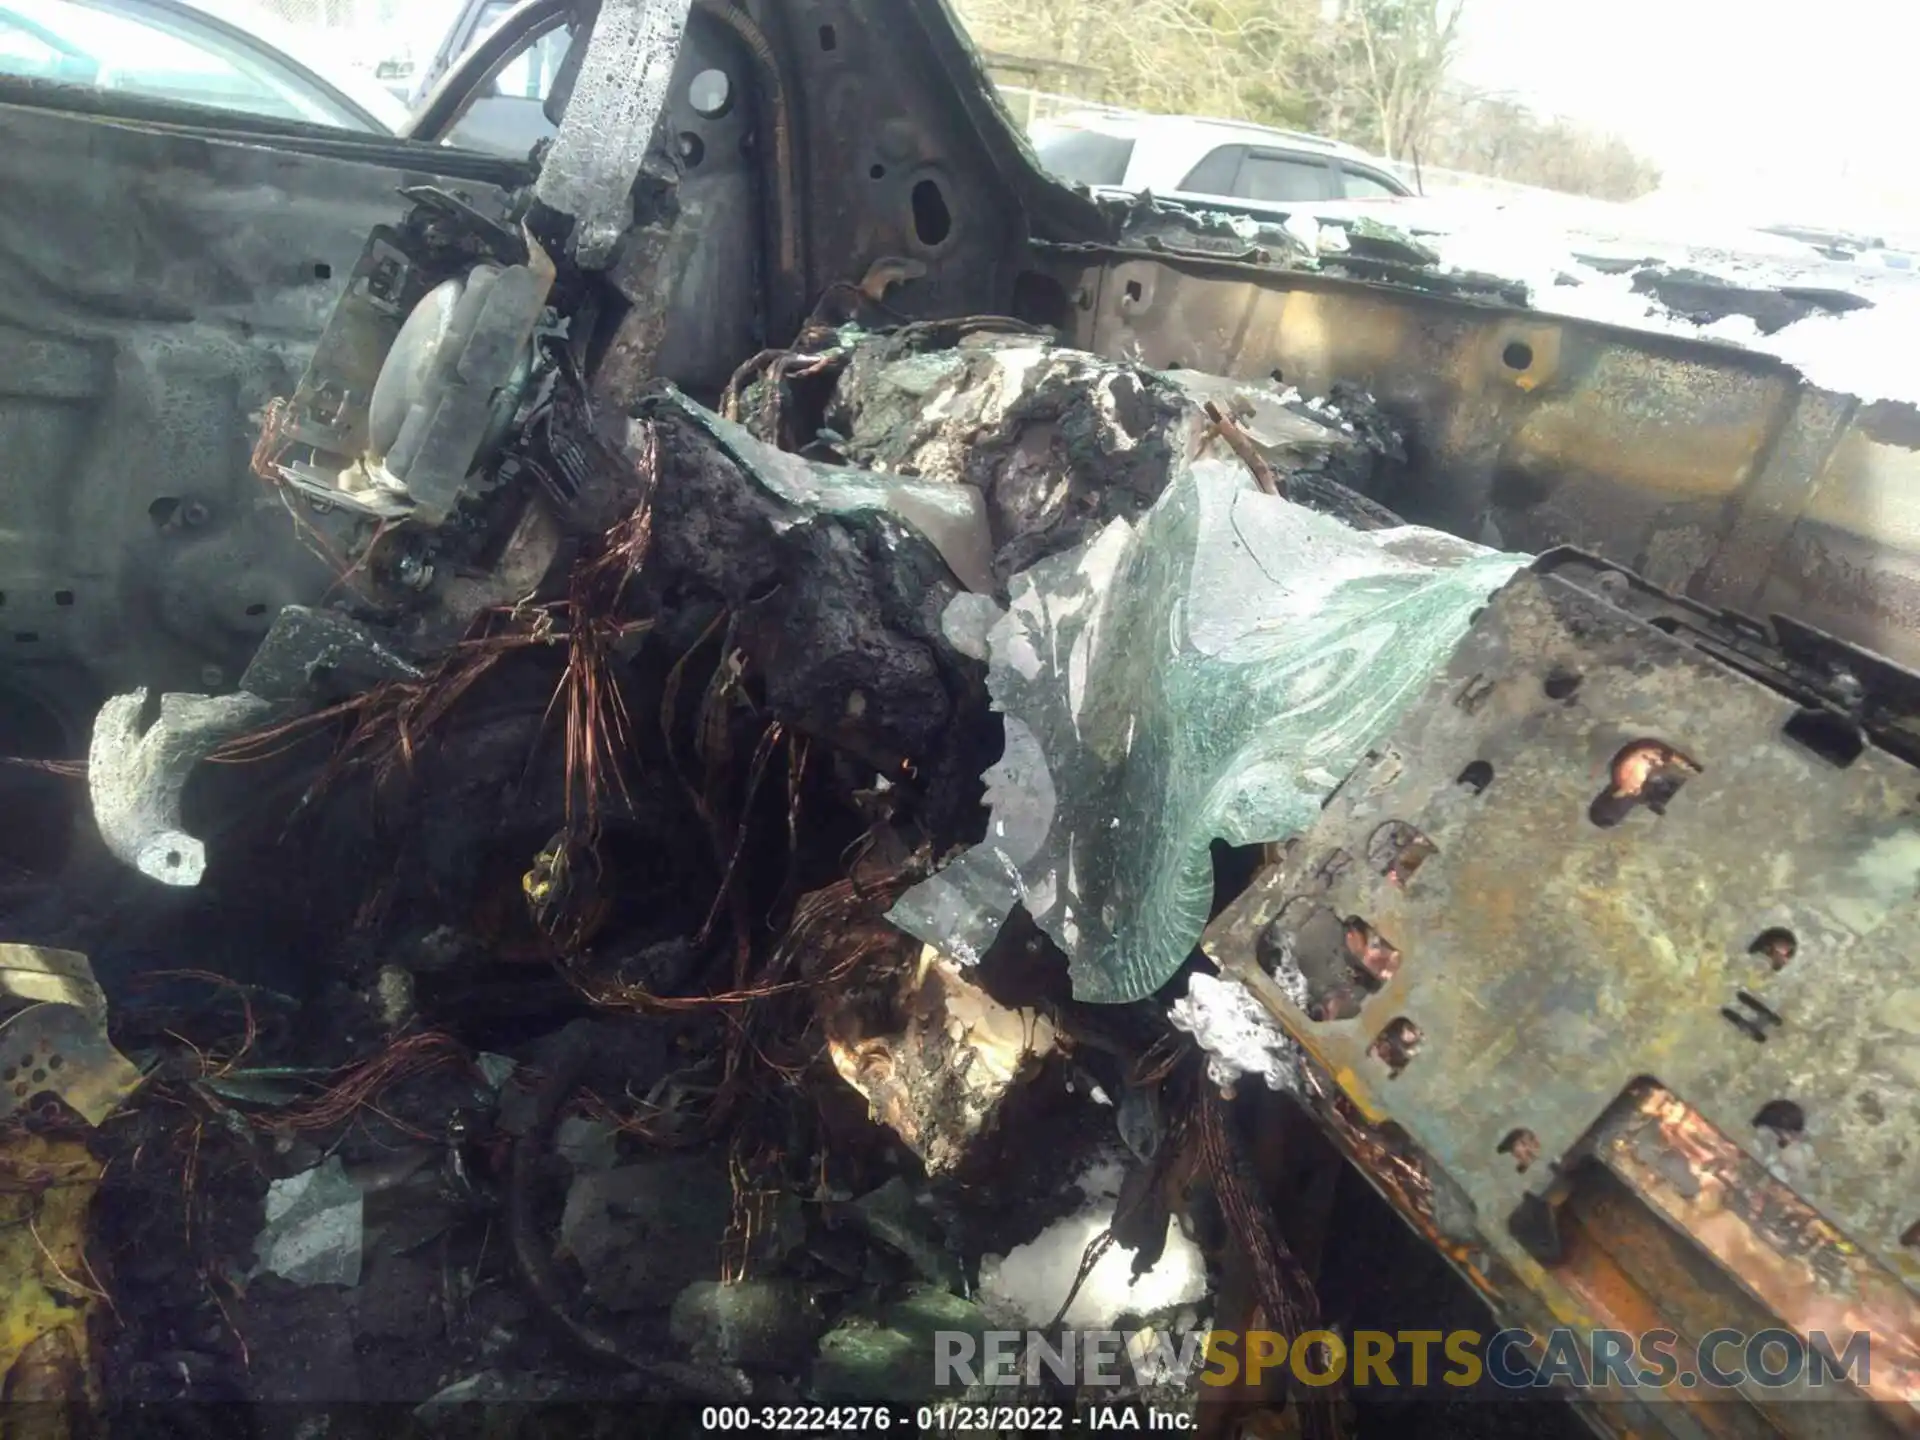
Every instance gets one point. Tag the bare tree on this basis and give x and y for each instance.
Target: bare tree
(1406, 50)
(1377, 73)
(1495, 135)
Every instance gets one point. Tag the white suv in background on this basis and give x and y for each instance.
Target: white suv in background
(1179, 156)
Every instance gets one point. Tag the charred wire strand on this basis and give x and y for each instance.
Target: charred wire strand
(533, 1254)
(1228, 429)
(1284, 1290)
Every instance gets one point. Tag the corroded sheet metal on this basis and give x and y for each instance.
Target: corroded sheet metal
(615, 108)
(1710, 470)
(1666, 1226)
(1807, 1274)
(1615, 834)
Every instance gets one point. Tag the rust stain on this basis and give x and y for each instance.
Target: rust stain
(1692, 462)
(1868, 488)
(1802, 1268)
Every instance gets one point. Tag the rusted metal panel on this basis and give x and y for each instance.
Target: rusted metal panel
(1711, 470)
(1596, 858)
(1802, 1270)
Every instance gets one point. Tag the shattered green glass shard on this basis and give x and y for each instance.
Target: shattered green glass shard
(1213, 671)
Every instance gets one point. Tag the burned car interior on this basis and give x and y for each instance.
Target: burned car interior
(641, 773)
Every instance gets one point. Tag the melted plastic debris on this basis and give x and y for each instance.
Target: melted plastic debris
(932, 414)
(59, 1041)
(46, 1309)
(1056, 441)
(1211, 672)
(38, 973)
(314, 1227)
(939, 1067)
(58, 1048)
(951, 517)
(1240, 1038)
(1030, 1282)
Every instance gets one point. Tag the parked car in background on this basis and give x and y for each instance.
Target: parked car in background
(194, 53)
(1219, 160)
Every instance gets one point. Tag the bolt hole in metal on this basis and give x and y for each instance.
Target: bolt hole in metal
(1376, 960)
(1834, 738)
(1396, 1045)
(1134, 292)
(1517, 356)
(1783, 1120)
(63, 597)
(1476, 777)
(876, 171)
(932, 220)
(1561, 685)
(1398, 849)
(691, 147)
(1337, 963)
(1776, 946)
(828, 39)
(322, 270)
(1523, 1146)
(710, 93)
(1645, 772)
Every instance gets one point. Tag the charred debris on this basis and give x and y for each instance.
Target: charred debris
(543, 976)
(714, 893)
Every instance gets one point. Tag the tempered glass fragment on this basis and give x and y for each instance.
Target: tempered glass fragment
(313, 1229)
(1212, 671)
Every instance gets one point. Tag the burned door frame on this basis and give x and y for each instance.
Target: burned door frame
(166, 269)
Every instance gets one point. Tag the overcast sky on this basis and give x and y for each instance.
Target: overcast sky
(1804, 108)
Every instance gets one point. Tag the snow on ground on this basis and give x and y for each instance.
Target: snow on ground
(1551, 244)
(1029, 1283)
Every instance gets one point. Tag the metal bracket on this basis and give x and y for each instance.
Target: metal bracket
(1595, 853)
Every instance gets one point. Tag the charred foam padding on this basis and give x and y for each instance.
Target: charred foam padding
(137, 767)
(834, 594)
